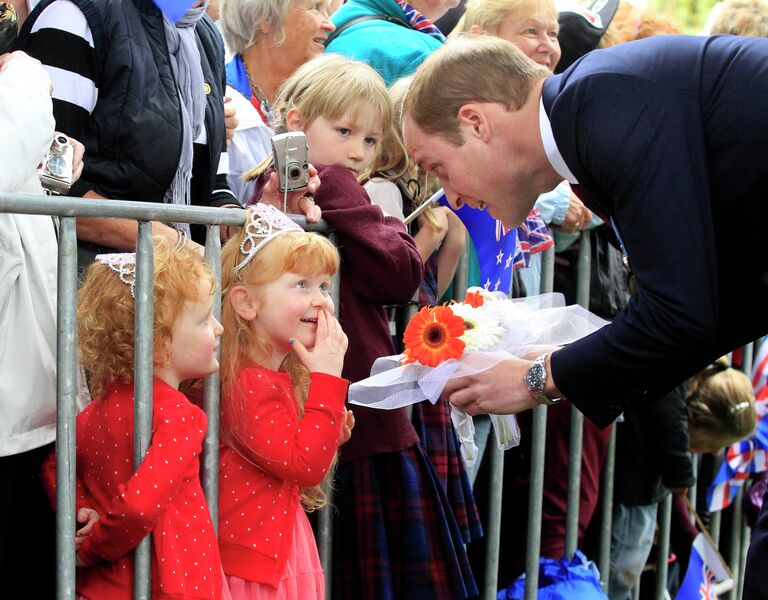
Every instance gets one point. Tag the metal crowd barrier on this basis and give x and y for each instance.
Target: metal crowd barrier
(68, 209)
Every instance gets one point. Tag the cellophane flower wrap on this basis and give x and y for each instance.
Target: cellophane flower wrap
(464, 338)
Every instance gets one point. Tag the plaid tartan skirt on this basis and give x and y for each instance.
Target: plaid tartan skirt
(438, 439)
(395, 536)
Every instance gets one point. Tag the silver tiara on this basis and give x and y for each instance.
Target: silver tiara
(264, 224)
(124, 264)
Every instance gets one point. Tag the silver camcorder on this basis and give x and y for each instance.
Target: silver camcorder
(290, 153)
(55, 171)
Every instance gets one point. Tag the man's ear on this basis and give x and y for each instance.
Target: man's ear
(244, 302)
(474, 121)
(293, 120)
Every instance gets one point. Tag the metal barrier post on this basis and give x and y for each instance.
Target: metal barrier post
(577, 418)
(609, 469)
(663, 547)
(209, 461)
(325, 514)
(66, 409)
(538, 446)
(142, 412)
(692, 490)
(494, 518)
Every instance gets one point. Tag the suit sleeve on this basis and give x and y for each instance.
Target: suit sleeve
(642, 148)
(376, 250)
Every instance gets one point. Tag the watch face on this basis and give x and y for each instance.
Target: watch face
(534, 377)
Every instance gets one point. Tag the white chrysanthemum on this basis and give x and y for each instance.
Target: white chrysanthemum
(481, 332)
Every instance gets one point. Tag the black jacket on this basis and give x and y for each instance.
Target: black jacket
(652, 450)
(133, 135)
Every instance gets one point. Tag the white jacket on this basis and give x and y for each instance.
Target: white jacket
(28, 256)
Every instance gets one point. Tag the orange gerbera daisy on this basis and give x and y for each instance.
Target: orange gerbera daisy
(432, 336)
(474, 299)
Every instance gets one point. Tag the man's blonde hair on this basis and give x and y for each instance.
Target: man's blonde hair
(490, 14)
(478, 69)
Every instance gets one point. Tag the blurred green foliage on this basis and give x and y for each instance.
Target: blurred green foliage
(691, 15)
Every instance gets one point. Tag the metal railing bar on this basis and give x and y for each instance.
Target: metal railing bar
(538, 446)
(66, 410)
(609, 470)
(662, 547)
(65, 206)
(577, 418)
(142, 411)
(209, 463)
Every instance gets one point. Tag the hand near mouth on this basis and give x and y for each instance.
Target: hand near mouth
(327, 356)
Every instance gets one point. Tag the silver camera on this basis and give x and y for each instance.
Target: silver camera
(55, 171)
(290, 153)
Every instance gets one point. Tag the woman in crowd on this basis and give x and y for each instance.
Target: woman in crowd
(270, 40)
(146, 98)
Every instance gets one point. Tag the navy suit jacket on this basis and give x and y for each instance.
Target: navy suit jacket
(669, 136)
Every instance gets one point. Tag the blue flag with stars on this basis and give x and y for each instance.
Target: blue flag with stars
(495, 245)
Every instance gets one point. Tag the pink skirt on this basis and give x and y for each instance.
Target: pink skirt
(302, 576)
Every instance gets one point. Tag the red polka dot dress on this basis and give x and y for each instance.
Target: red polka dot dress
(163, 497)
(268, 454)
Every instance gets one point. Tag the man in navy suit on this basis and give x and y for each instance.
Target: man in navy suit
(668, 139)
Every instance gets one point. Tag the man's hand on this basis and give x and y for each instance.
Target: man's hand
(500, 390)
(77, 158)
(299, 203)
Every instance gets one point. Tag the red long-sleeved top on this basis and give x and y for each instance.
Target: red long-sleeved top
(278, 454)
(163, 496)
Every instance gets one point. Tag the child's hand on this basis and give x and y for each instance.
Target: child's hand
(347, 425)
(88, 517)
(299, 202)
(330, 345)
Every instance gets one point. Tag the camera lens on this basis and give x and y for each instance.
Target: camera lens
(56, 165)
(61, 139)
(294, 172)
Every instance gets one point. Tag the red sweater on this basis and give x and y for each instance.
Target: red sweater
(380, 265)
(163, 496)
(277, 454)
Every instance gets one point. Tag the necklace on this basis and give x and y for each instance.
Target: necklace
(265, 108)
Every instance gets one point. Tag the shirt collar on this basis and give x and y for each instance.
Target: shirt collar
(550, 147)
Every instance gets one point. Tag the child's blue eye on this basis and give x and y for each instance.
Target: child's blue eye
(344, 131)
(371, 141)
(324, 287)
(302, 284)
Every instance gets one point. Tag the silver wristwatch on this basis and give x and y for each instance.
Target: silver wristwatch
(536, 378)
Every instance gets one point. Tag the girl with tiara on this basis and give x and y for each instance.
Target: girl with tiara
(163, 496)
(395, 535)
(283, 412)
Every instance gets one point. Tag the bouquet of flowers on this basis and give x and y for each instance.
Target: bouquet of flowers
(463, 338)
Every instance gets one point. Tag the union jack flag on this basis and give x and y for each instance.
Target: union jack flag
(705, 568)
(741, 460)
(748, 456)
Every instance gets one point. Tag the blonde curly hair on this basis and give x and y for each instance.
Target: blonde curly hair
(106, 311)
(242, 342)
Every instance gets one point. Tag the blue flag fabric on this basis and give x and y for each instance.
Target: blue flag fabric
(174, 9)
(495, 245)
(705, 568)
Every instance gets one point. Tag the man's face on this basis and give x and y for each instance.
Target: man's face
(475, 173)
